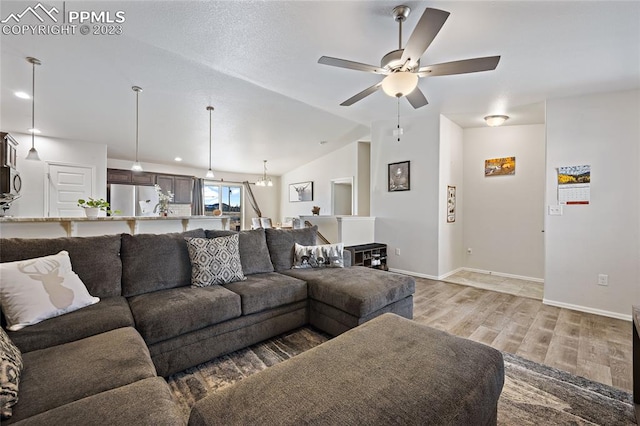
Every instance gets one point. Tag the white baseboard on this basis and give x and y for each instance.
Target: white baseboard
(503, 274)
(414, 274)
(588, 310)
(579, 308)
(448, 274)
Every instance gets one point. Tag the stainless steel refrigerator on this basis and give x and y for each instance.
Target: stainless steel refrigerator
(134, 200)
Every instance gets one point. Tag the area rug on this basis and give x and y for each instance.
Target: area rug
(533, 394)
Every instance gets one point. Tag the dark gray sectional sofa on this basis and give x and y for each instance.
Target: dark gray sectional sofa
(104, 363)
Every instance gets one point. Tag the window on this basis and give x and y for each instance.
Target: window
(226, 198)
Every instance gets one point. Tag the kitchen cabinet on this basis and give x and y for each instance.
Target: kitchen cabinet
(130, 177)
(181, 186)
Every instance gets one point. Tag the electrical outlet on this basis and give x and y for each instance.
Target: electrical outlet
(603, 279)
(469, 250)
(397, 252)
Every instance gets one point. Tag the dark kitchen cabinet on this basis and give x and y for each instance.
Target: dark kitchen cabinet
(181, 186)
(129, 177)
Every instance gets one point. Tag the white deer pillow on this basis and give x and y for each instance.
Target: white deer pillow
(34, 290)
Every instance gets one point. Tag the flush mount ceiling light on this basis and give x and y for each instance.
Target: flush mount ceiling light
(137, 167)
(496, 120)
(264, 180)
(210, 174)
(33, 154)
(399, 84)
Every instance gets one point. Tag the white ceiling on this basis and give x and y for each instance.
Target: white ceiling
(256, 63)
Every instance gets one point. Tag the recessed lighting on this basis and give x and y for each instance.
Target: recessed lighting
(178, 159)
(22, 95)
(34, 131)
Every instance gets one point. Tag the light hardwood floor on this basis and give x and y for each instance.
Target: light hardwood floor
(591, 346)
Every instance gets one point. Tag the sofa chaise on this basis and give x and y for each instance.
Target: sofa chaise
(150, 322)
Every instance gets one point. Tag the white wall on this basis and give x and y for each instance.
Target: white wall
(408, 220)
(268, 198)
(362, 185)
(31, 202)
(335, 165)
(450, 241)
(504, 215)
(603, 237)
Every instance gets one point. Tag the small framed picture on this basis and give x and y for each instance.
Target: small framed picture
(399, 176)
(302, 191)
(451, 204)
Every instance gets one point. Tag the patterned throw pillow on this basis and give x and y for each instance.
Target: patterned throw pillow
(215, 260)
(10, 370)
(324, 256)
(34, 290)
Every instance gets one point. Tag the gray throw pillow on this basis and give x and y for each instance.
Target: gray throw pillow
(254, 254)
(10, 371)
(214, 260)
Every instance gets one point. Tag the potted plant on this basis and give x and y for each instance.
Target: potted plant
(93, 207)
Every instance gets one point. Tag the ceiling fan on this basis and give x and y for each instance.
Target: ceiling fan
(402, 67)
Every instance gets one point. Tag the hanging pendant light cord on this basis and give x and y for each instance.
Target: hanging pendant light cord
(33, 105)
(137, 112)
(210, 138)
(398, 126)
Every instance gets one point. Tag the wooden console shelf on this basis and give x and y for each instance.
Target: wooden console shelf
(372, 255)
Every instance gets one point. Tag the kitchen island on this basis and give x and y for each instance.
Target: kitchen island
(53, 227)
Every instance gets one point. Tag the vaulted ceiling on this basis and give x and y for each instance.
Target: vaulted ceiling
(256, 63)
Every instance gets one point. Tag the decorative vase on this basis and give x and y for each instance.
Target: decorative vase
(91, 211)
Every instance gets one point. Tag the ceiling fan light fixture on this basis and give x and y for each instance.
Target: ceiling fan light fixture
(399, 84)
(495, 120)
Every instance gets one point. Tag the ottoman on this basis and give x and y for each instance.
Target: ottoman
(343, 298)
(388, 371)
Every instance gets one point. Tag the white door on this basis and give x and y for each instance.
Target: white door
(66, 184)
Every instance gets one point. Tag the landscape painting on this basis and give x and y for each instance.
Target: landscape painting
(500, 166)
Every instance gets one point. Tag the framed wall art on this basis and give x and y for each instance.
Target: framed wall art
(302, 191)
(451, 204)
(500, 166)
(399, 176)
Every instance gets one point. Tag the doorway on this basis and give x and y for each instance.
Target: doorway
(342, 197)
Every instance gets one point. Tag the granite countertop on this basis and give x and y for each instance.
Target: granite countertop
(105, 219)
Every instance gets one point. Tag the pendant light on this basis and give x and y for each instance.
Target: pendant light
(33, 154)
(137, 167)
(264, 180)
(210, 174)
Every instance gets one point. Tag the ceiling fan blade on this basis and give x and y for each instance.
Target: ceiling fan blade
(460, 67)
(366, 92)
(426, 30)
(416, 98)
(343, 63)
